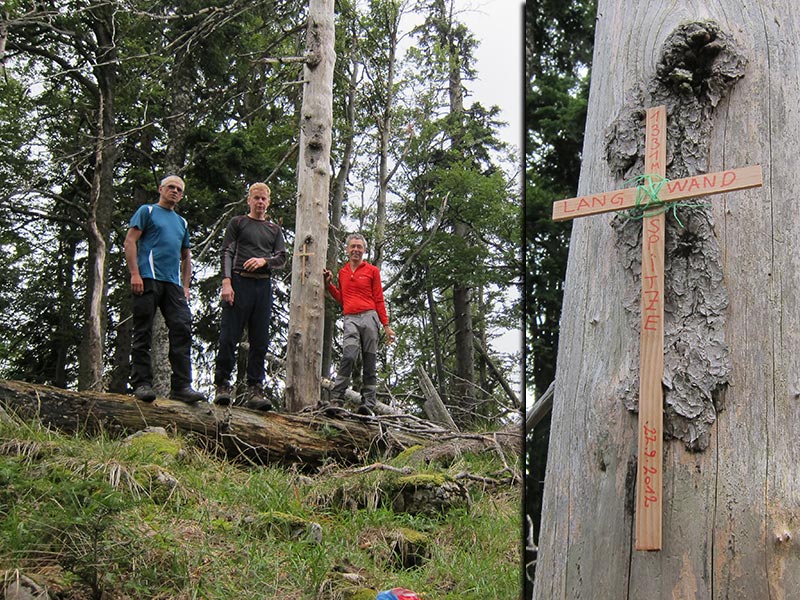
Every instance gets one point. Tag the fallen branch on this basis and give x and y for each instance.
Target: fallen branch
(540, 408)
(379, 467)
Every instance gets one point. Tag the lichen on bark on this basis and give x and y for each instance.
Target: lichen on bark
(699, 65)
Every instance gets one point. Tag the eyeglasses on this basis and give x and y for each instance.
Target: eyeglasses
(172, 186)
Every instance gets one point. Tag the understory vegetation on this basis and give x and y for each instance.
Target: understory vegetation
(157, 515)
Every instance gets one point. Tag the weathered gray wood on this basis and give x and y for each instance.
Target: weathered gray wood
(307, 440)
(730, 510)
(540, 408)
(307, 303)
(434, 407)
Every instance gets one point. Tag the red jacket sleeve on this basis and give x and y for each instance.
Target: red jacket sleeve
(377, 294)
(335, 292)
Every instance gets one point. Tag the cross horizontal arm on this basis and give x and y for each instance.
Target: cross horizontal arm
(672, 191)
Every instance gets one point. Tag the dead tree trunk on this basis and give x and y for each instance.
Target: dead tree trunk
(307, 440)
(307, 304)
(335, 233)
(434, 407)
(730, 492)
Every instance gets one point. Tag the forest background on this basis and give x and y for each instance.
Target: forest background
(559, 41)
(99, 100)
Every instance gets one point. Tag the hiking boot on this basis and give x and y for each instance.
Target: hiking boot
(222, 396)
(144, 393)
(255, 400)
(187, 395)
(366, 410)
(329, 403)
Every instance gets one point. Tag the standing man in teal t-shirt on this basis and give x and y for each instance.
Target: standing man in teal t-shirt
(159, 260)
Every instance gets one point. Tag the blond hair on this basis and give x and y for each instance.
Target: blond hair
(258, 186)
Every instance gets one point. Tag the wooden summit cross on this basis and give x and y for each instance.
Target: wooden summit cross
(651, 339)
(304, 255)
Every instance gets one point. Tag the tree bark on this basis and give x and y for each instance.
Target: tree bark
(307, 440)
(182, 76)
(729, 504)
(307, 303)
(66, 280)
(465, 392)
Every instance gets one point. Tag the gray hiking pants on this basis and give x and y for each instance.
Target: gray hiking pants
(360, 335)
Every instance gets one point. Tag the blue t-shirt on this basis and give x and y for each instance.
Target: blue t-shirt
(164, 234)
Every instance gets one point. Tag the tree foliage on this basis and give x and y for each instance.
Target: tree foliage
(211, 90)
(559, 39)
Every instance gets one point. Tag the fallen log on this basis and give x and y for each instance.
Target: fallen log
(434, 407)
(307, 439)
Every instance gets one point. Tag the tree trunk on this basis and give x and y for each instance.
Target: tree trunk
(730, 496)
(462, 293)
(121, 354)
(180, 103)
(441, 377)
(101, 201)
(434, 407)
(159, 356)
(481, 345)
(307, 303)
(465, 396)
(308, 440)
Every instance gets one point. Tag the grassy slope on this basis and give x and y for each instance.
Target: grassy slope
(159, 517)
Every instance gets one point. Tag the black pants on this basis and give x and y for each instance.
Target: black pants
(169, 298)
(252, 306)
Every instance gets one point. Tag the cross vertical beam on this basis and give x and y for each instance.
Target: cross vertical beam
(651, 348)
(304, 255)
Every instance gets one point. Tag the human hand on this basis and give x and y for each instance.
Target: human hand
(327, 275)
(227, 291)
(137, 285)
(251, 264)
(390, 335)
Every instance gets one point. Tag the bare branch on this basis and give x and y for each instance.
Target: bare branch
(497, 373)
(309, 58)
(540, 408)
(379, 467)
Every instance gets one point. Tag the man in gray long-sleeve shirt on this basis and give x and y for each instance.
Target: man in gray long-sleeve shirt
(252, 248)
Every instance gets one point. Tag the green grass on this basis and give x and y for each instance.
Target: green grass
(158, 517)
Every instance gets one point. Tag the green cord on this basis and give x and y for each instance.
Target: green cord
(648, 204)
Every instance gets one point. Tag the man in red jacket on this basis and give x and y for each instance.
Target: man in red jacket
(361, 295)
